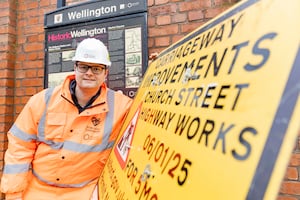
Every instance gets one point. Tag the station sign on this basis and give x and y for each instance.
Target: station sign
(120, 25)
(217, 113)
(93, 10)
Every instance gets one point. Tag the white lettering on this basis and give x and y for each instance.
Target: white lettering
(91, 13)
(90, 32)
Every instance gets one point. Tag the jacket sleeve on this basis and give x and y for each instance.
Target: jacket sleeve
(122, 107)
(21, 147)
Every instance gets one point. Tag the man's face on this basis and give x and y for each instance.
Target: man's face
(89, 75)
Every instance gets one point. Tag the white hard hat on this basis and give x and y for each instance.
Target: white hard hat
(93, 51)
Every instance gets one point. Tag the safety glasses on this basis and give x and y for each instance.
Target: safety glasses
(83, 68)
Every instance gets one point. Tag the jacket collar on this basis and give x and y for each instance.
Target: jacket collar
(66, 93)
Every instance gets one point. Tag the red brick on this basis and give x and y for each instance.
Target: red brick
(195, 15)
(32, 82)
(30, 91)
(6, 73)
(6, 100)
(177, 37)
(160, 2)
(187, 28)
(33, 56)
(163, 20)
(292, 173)
(167, 30)
(151, 22)
(6, 83)
(2, 99)
(286, 198)
(4, 12)
(33, 64)
(162, 41)
(33, 21)
(5, 109)
(161, 10)
(4, 4)
(41, 38)
(222, 2)
(150, 43)
(213, 12)
(4, 38)
(44, 3)
(24, 100)
(33, 47)
(19, 109)
(33, 39)
(180, 17)
(40, 73)
(31, 5)
(295, 160)
(33, 30)
(30, 73)
(150, 3)
(193, 5)
(290, 187)
(4, 20)
(4, 29)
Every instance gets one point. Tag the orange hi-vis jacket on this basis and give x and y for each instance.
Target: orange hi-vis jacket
(54, 151)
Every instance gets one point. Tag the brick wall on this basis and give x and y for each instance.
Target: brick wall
(7, 60)
(290, 187)
(22, 56)
(170, 20)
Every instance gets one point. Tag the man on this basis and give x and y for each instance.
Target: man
(61, 140)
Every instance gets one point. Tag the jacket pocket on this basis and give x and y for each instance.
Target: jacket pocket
(55, 125)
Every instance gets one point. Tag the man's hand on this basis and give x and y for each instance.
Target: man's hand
(95, 194)
(152, 57)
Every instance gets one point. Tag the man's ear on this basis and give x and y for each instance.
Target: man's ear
(75, 64)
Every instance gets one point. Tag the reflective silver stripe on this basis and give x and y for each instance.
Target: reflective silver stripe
(52, 144)
(110, 144)
(21, 134)
(16, 168)
(78, 185)
(41, 126)
(16, 131)
(78, 147)
(83, 148)
(109, 118)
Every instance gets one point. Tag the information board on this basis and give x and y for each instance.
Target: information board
(121, 26)
(217, 113)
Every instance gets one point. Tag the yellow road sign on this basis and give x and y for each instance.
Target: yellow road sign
(217, 113)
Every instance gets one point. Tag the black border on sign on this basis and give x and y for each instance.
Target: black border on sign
(276, 135)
